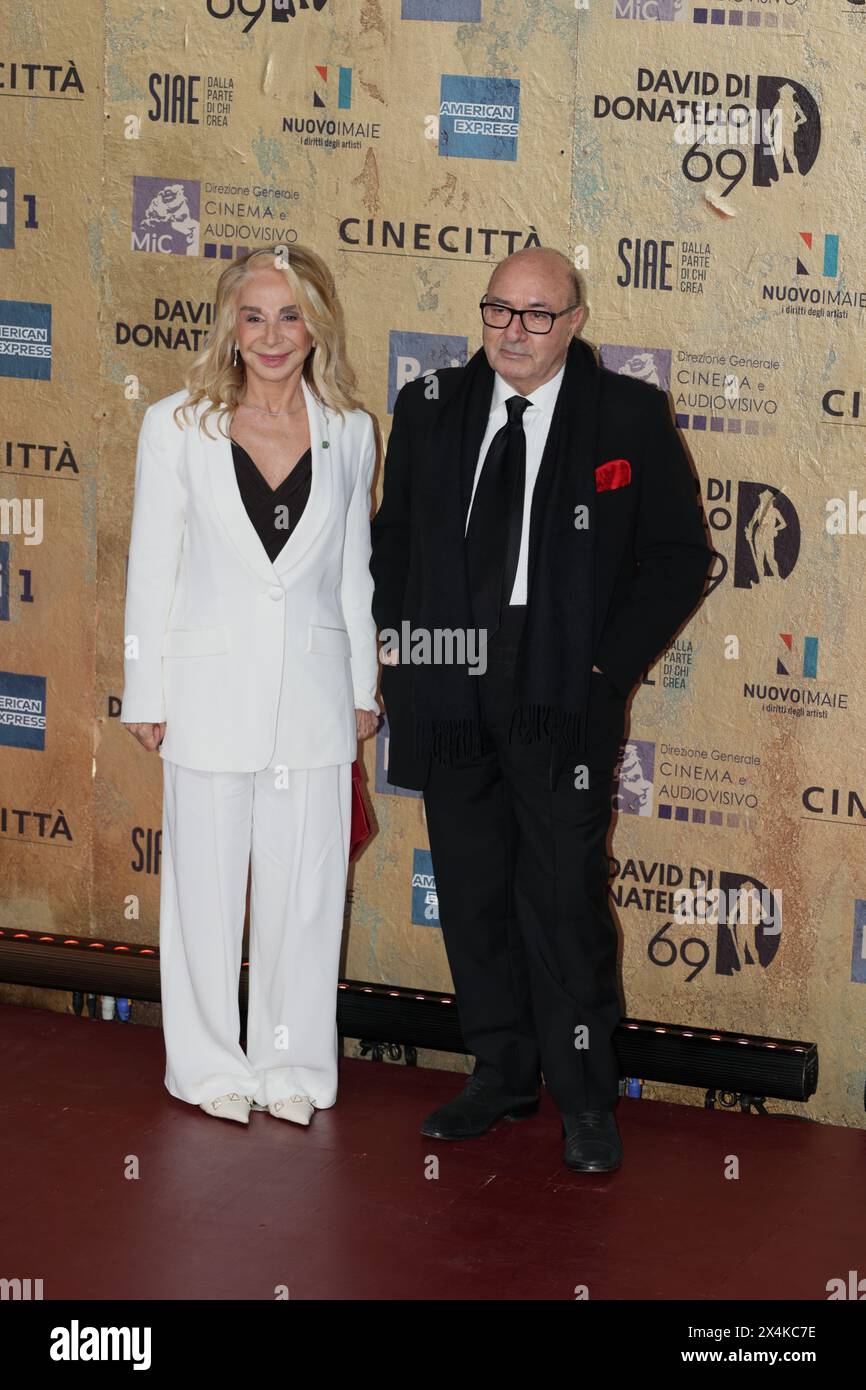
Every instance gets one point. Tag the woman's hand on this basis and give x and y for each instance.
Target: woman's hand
(366, 722)
(150, 736)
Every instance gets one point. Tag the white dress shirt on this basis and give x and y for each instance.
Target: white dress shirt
(536, 426)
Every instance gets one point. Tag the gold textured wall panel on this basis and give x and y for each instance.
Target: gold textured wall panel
(733, 275)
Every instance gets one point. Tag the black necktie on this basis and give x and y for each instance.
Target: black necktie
(496, 519)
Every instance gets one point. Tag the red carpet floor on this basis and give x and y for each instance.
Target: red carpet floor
(344, 1209)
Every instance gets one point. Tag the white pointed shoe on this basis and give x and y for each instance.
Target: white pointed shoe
(297, 1108)
(230, 1107)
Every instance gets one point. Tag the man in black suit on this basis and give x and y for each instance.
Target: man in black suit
(537, 498)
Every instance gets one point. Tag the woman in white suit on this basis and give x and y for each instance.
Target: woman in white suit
(250, 663)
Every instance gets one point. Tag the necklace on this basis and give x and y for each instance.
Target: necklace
(273, 413)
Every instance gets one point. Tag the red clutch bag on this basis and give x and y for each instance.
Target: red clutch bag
(362, 827)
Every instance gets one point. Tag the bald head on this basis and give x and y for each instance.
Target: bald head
(537, 277)
(547, 261)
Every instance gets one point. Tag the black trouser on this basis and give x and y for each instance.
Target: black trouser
(521, 875)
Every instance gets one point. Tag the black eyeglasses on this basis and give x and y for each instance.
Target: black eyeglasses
(532, 320)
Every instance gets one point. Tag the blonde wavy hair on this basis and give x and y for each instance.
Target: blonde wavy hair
(214, 377)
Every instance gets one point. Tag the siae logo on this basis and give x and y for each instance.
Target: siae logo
(175, 98)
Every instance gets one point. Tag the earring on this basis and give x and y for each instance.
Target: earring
(235, 358)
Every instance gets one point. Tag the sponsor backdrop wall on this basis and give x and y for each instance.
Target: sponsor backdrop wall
(414, 143)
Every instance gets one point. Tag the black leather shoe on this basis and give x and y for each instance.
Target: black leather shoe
(592, 1142)
(476, 1110)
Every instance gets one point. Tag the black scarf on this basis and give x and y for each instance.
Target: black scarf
(555, 655)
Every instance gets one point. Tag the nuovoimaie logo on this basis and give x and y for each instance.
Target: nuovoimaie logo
(166, 215)
(817, 287)
(333, 87)
(425, 899)
(821, 256)
(479, 117)
(25, 339)
(791, 655)
(796, 689)
(22, 710)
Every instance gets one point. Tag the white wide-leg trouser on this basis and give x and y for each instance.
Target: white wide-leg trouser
(292, 828)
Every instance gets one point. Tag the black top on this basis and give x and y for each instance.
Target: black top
(274, 511)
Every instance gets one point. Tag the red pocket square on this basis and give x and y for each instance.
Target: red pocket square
(614, 473)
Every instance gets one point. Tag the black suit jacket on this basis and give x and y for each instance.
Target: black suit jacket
(650, 555)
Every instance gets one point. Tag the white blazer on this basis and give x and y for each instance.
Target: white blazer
(213, 631)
